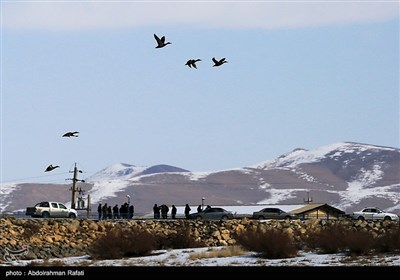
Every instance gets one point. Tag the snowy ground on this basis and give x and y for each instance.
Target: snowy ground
(198, 257)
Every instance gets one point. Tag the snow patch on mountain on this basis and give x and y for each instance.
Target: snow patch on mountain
(299, 156)
(5, 190)
(196, 176)
(264, 186)
(361, 188)
(120, 171)
(356, 192)
(105, 189)
(111, 180)
(333, 151)
(278, 195)
(370, 177)
(393, 208)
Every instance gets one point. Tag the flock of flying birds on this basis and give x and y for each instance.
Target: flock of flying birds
(191, 62)
(160, 44)
(51, 167)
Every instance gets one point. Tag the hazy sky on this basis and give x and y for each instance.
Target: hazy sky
(299, 74)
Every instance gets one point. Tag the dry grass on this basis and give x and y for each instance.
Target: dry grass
(360, 242)
(229, 251)
(119, 243)
(270, 243)
(181, 240)
(329, 240)
(389, 241)
(337, 238)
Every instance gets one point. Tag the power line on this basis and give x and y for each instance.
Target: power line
(35, 177)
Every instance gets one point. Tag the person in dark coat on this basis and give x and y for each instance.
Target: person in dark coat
(109, 212)
(173, 212)
(156, 211)
(131, 211)
(199, 209)
(187, 211)
(115, 212)
(105, 209)
(121, 211)
(164, 211)
(124, 211)
(99, 211)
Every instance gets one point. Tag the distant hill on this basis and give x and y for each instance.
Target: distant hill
(162, 168)
(346, 175)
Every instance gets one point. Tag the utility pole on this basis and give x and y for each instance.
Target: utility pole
(74, 187)
(88, 209)
(74, 180)
(309, 199)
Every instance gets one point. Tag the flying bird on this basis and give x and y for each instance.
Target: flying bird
(192, 63)
(51, 167)
(71, 134)
(160, 42)
(219, 62)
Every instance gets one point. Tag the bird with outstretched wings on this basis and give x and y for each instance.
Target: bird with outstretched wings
(192, 62)
(71, 134)
(51, 167)
(219, 62)
(161, 41)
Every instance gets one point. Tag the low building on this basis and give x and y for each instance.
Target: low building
(318, 211)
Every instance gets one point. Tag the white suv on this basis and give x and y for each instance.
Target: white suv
(50, 209)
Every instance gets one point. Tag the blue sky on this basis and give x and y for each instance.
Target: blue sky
(299, 74)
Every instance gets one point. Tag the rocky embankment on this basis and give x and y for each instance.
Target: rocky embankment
(49, 238)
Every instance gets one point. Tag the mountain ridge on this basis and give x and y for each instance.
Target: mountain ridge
(347, 175)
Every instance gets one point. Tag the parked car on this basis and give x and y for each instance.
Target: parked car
(50, 209)
(374, 213)
(212, 213)
(273, 213)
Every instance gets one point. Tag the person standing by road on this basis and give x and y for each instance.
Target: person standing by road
(115, 212)
(131, 211)
(173, 212)
(99, 211)
(156, 211)
(187, 211)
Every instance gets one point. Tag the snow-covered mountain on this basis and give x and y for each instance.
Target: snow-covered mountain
(356, 173)
(336, 152)
(124, 171)
(346, 175)
(120, 171)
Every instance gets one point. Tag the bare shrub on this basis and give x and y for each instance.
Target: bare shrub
(329, 240)
(229, 251)
(271, 243)
(389, 241)
(360, 242)
(118, 243)
(182, 239)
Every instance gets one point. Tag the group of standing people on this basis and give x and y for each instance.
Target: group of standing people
(105, 212)
(126, 211)
(162, 211)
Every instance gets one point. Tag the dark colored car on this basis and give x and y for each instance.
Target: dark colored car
(273, 213)
(213, 213)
